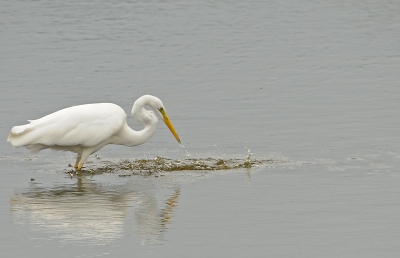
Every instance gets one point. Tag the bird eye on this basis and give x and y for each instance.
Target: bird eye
(162, 110)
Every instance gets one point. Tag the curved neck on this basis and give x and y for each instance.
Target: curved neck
(143, 116)
(138, 110)
(129, 137)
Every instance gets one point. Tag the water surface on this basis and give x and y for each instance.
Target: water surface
(313, 84)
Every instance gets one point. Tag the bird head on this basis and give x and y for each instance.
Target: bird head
(158, 107)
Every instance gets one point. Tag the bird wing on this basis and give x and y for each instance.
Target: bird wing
(84, 125)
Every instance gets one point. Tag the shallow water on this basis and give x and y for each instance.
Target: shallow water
(312, 87)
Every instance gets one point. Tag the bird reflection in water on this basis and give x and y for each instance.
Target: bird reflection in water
(92, 213)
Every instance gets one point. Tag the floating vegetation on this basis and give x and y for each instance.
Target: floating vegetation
(161, 164)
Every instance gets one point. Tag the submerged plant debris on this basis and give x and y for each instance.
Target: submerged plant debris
(161, 164)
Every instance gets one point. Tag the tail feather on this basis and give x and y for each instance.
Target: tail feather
(18, 135)
(21, 129)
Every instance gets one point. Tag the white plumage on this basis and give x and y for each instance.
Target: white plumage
(87, 128)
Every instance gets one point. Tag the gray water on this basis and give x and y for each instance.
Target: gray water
(313, 85)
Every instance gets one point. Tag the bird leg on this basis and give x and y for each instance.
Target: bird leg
(76, 163)
(79, 166)
(78, 158)
(82, 157)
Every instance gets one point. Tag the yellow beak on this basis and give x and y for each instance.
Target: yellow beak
(170, 126)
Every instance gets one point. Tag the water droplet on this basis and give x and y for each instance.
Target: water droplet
(187, 153)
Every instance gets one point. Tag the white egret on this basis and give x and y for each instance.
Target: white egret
(85, 129)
